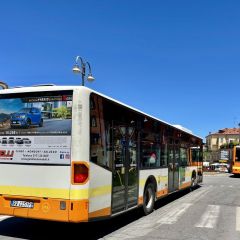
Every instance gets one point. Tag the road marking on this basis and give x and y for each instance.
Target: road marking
(209, 218)
(174, 214)
(238, 219)
(196, 195)
(170, 215)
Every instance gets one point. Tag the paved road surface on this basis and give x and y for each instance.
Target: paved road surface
(212, 211)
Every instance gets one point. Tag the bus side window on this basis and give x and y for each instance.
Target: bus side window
(164, 155)
(183, 157)
(99, 134)
(150, 145)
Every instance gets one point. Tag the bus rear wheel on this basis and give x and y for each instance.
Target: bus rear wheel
(148, 199)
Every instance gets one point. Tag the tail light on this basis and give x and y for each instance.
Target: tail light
(80, 173)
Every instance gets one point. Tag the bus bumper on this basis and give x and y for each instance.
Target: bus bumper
(236, 170)
(46, 209)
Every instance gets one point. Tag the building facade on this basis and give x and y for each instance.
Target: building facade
(224, 136)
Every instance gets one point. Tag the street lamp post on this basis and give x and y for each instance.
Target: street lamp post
(82, 70)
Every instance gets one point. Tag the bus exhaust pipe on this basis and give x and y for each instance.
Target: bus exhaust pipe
(3, 85)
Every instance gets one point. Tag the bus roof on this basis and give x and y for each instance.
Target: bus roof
(51, 87)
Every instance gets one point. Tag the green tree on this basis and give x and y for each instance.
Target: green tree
(62, 112)
(229, 145)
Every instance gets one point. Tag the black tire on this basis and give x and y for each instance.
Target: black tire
(148, 199)
(28, 123)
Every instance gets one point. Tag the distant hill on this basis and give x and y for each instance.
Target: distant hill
(4, 117)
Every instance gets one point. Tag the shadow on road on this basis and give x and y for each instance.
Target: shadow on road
(36, 229)
(235, 176)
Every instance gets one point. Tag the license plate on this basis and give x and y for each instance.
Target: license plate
(22, 204)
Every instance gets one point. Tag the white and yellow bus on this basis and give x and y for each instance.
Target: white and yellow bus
(235, 163)
(68, 153)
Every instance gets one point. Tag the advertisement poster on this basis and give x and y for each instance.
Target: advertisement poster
(36, 129)
(224, 155)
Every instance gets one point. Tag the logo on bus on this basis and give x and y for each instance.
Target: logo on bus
(6, 154)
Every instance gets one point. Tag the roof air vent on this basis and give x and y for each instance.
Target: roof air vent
(44, 85)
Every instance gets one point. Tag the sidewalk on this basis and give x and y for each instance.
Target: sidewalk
(215, 173)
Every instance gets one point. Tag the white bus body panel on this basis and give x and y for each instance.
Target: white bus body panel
(100, 188)
(188, 175)
(35, 181)
(161, 176)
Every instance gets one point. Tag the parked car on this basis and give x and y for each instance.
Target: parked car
(26, 141)
(4, 140)
(220, 167)
(19, 141)
(27, 117)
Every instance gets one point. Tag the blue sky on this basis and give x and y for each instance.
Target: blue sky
(176, 60)
(8, 106)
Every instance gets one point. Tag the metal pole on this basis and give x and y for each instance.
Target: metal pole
(82, 80)
(83, 73)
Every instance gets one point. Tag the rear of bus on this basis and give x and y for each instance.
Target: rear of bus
(38, 178)
(236, 160)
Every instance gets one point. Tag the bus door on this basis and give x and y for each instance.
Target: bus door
(173, 169)
(125, 171)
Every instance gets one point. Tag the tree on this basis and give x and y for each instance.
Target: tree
(229, 145)
(62, 112)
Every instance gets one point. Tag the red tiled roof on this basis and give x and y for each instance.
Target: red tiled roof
(227, 131)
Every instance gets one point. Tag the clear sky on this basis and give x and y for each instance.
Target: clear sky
(178, 60)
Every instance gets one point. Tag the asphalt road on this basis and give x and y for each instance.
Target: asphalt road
(49, 126)
(211, 211)
(56, 125)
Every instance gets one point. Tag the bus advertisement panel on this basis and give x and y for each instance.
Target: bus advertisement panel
(36, 129)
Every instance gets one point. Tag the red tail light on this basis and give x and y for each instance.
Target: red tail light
(80, 173)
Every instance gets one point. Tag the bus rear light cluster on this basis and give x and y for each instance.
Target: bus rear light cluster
(80, 173)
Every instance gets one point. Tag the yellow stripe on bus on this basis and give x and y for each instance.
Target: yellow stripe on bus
(79, 194)
(55, 192)
(142, 182)
(98, 191)
(161, 178)
(35, 192)
(90, 193)
(188, 174)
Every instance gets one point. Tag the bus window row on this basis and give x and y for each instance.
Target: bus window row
(115, 130)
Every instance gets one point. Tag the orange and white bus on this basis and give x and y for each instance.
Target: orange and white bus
(71, 154)
(235, 166)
